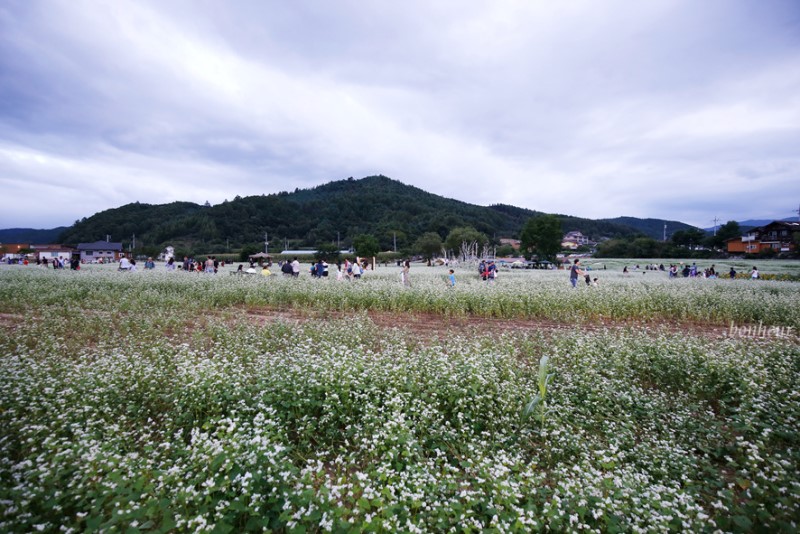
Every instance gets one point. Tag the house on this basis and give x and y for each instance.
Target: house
(735, 245)
(777, 236)
(100, 251)
(50, 252)
(573, 240)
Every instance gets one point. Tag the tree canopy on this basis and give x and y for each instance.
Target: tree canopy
(394, 213)
(541, 237)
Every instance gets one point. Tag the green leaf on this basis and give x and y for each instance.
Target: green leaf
(743, 522)
(532, 405)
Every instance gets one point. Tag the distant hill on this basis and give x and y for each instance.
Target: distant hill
(652, 227)
(31, 235)
(749, 224)
(330, 213)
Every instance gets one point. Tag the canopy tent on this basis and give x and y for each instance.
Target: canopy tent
(259, 255)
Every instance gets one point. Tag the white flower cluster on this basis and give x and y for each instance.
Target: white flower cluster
(115, 414)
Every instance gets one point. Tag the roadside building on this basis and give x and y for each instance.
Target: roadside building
(100, 252)
(777, 236)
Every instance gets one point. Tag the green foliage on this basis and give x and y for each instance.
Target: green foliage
(645, 247)
(327, 251)
(366, 246)
(248, 250)
(126, 412)
(690, 239)
(464, 234)
(505, 251)
(727, 231)
(653, 228)
(539, 401)
(376, 205)
(429, 245)
(542, 236)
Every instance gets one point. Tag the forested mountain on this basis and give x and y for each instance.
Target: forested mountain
(652, 227)
(31, 235)
(376, 205)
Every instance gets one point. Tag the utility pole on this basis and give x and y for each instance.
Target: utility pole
(133, 243)
(798, 214)
(665, 232)
(395, 240)
(338, 246)
(266, 243)
(715, 225)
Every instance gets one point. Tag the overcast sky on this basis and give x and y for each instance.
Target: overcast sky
(676, 109)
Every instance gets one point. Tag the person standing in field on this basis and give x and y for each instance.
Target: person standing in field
(732, 273)
(754, 273)
(574, 272)
(492, 272)
(451, 278)
(356, 270)
(406, 273)
(295, 267)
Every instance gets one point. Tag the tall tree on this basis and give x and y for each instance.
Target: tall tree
(463, 237)
(691, 238)
(727, 231)
(365, 245)
(542, 236)
(429, 245)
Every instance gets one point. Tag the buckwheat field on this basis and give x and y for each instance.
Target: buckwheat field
(185, 402)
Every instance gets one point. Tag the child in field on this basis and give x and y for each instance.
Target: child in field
(451, 278)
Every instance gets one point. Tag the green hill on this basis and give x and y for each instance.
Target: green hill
(376, 205)
(31, 235)
(652, 227)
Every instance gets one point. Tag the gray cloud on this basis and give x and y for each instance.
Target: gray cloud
(669, 108)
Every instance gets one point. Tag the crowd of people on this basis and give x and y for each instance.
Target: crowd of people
(354, 270)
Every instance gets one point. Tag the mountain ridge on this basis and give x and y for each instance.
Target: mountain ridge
(334, 212)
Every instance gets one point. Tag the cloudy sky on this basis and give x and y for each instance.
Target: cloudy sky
(676, 109)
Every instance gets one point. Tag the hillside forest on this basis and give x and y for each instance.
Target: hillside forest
(334, 215)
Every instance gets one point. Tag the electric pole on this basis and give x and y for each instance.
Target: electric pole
(266, 243)
(715, 225)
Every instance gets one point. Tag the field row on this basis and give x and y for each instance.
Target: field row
(644, 298)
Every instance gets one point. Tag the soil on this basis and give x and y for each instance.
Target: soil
(433, 326)
(429, 325)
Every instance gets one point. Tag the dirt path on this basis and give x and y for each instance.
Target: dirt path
(433, 325)
(430, 325)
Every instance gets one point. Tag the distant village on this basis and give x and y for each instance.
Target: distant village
(777, 237)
